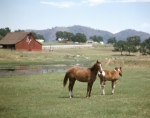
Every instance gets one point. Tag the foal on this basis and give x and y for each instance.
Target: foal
(109, 76)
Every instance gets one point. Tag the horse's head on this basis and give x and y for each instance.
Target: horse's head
(99, 66)
(119, 69)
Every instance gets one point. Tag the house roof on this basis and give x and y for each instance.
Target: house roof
(13, 38)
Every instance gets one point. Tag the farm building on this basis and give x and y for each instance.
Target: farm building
(20, 41)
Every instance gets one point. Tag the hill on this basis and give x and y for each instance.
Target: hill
(49, 34)
(129, 32)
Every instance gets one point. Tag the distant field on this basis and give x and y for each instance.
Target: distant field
(43, 95)
(85, 57)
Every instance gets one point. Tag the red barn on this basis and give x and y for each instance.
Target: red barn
(20, 41)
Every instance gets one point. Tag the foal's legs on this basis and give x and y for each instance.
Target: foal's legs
(103, 87)
(113, 86)
(71, 84)
(100, 83)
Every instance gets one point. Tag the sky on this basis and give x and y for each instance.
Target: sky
(108, 15)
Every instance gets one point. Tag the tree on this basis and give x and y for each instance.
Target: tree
(37, 36)
(145, 46)
(64, 35)
(4, 31)
(69, 35)
(19, 30)
(120, 46)
(59, 34)
(111, 40)
(1, 36)
(79, 37)
(96, 38)
(147, 41)
(132, 44)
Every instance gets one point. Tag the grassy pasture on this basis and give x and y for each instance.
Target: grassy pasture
(43, 95)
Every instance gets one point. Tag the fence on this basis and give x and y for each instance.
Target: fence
(56, 47)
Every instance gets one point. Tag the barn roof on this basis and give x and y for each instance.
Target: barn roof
(13, 38)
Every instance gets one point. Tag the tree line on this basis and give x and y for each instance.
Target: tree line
(131, 44)
(4, 31)
(78, 37)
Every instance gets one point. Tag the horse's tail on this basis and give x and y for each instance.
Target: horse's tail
(65, 80)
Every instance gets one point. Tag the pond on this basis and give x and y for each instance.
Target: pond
(30, 70)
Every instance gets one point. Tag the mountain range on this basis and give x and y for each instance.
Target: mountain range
(49, 34)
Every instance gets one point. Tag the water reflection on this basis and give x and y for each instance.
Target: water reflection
(24, 70)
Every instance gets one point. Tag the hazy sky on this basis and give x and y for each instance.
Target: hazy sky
(109, 15)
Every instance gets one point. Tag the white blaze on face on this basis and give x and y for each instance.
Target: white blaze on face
(101, 67)
(103, 72)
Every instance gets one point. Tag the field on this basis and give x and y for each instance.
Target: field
(43, 95)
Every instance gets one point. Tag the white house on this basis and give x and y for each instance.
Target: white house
(101, 42)
(40, 40)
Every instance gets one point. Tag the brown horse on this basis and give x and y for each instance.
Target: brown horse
(82, 75)
(109, 76)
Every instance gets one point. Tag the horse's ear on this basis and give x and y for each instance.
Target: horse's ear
(120, 68)
(97, 61)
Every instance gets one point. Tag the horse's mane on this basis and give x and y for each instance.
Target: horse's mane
(92, 68)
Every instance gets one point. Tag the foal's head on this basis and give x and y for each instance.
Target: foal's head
(119, 70)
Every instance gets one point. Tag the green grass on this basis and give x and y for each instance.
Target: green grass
(43, 95)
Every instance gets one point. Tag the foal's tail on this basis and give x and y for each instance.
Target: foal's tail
(65, 80)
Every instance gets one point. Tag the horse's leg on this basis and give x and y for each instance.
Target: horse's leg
(88, 89)
(103, 87)
(113, 86)
(73, 82)
(69, 87)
